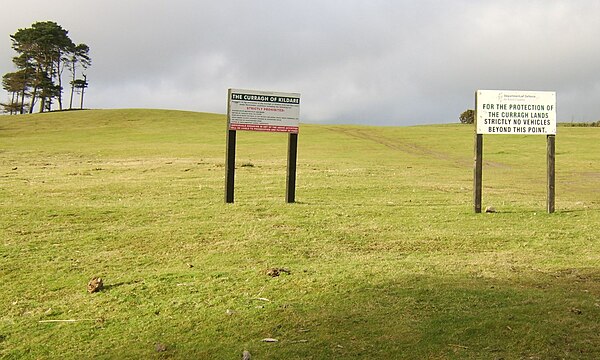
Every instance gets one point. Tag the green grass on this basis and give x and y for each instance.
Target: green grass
(387, 258)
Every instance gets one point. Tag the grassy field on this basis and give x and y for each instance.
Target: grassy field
(386, 258)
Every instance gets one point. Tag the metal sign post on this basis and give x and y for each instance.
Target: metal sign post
(290, 184)
(230, 166)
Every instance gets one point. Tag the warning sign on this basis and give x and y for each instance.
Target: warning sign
(263, 111)
(516, 112)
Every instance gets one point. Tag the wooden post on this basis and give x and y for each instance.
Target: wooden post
(551, 166)
(478, 172)
(230, 166)
(290, 186)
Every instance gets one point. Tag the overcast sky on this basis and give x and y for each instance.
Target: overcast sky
(381, 62)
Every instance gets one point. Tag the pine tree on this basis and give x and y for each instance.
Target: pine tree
(44, 52)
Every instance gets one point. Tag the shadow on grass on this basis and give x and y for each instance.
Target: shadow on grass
(376, 313)
(108, 287)
(535, 316)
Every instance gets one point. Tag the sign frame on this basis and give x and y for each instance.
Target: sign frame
(515, 112)
(269, 111)
(255, 110)
(529, 113)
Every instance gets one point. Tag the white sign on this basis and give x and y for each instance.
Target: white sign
(516, 112)
(263, 111)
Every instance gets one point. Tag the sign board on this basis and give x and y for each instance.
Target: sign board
(516, 112)
(263, 111)
(255, 110)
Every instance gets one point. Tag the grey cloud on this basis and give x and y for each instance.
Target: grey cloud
(376, 62)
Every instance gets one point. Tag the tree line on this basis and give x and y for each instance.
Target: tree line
(44, 52)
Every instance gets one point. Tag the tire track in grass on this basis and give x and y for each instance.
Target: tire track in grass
(409, 148)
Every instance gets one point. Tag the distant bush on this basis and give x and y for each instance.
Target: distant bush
(467, 117)
(581, 124)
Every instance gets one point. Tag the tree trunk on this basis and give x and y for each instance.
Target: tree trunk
(72, 87)
(83, 90)
(23, 101)
(33, 99)
(12, 103)
(59, 76)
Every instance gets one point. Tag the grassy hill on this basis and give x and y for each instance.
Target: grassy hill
(386, 257)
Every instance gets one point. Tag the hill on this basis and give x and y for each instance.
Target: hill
(386, 258)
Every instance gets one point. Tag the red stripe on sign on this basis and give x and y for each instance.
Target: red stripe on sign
(267, 128)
